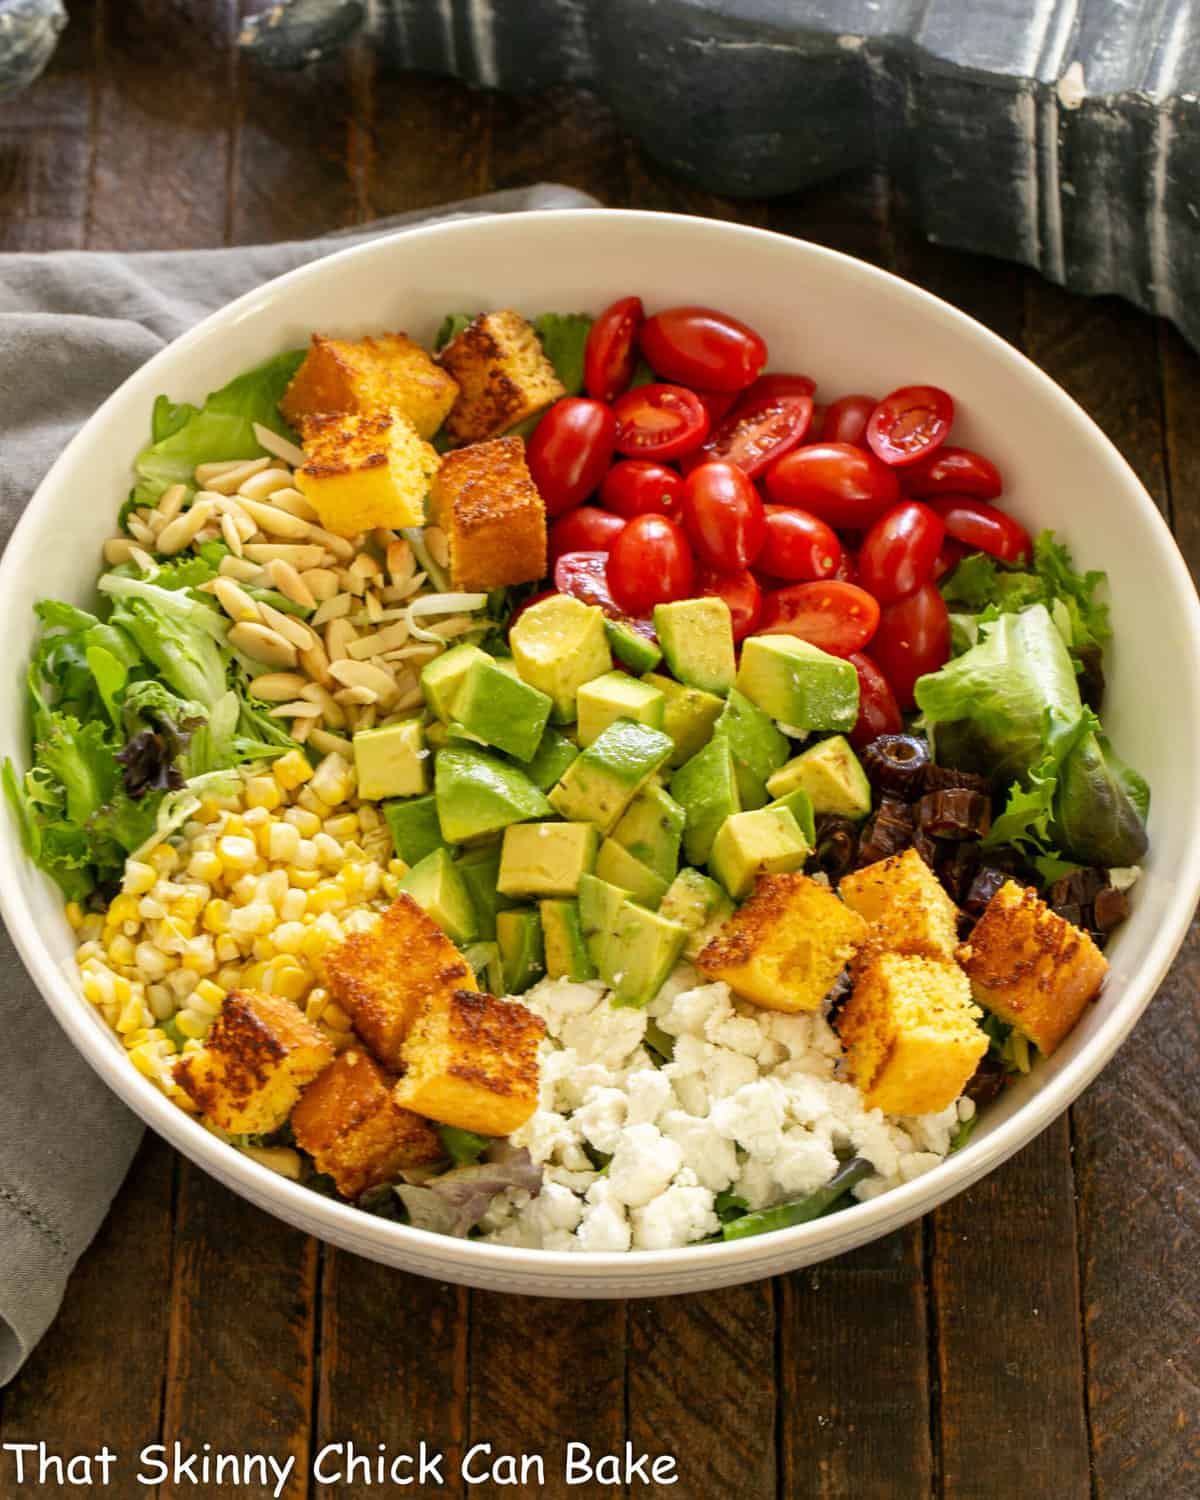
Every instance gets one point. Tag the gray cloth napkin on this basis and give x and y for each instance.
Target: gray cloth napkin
(73, 326)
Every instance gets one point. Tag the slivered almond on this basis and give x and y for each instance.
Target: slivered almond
(172, 501)
(368, 646)
(321, 583)
(338, 635)
(290, 584)
(279, 687)
(143, 559)
(260, 643)
(296, 504)
(117, 550)
(288, 627)
(265, 483)
(366, 674)
(302, 728)
(400, 560)
(409, 699)
(336, 608)
(353, 583)
(315, 662)
(342, 549)
(365, 566)
(230, 535)
(397, 593)
(333, 744)
(140, 531)
(374, 609)
(368, 716)
(276, 522)
(300, 557)
(156, 521)
(330, 707)
(206, 473)
(299, 708)
(233, 479)
(179, 533)
(234, 600)
(241, 569)
(438, 544)
(354, 697)
(277, 445)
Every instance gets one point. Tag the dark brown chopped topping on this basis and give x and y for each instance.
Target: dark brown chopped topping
(955, 813)
(944, 778)
(956, 869)
(926, 846)
(983, 887)
(836, 845)
(1111, 908)
(1080, 887)
(835, 1000)
(987, 1082)
(888, 831)
(896, 763)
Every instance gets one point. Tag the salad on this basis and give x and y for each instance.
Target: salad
(571, 787)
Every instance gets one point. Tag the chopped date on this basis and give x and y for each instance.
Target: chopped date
(896, 763)
(983, 887)
(926, 846)
(1110, 908)
(1079, 888)
(987, 1082)
(955, 813)
(836, 845)
(956, 869)
(888, 831)
(946, 778)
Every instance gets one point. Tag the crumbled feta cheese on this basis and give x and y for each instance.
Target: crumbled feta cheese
(753, 1117)
(606, 1034)
(602, 1119)
(643, 1165)
(603, 1227)
(803, 1163)
(649, 1093)
(678, 1216)
(706, 1152)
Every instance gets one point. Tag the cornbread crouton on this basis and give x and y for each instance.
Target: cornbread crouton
(786, 945)
(362, 471)
(259, 1054)
(502, 374)
(352, 1127)
(472, 1061)
(368, 375)
(485, 501)
(380, 977)
(1030, 967)
(906, 904)
(911, 1034)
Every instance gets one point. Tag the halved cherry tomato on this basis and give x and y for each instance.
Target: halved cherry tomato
(723, 517)
(659, 421)
(701, 347)
(570, 451)
(650, 563)
(948, 558)
(899, 551)
(816, 428)
(913, 638)
(584, 575)
(954, 471)
(798, 545)
(846, 420)
(844, 485)
(755, 433)
(910, 424)
(611, 353)
(638, 486)
(838, 617)
(742, 594)
(587, 528)
(716, 404)
(878, 712)
(983, 528)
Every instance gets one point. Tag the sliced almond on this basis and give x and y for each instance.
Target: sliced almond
(321, 583)
(288, 627)
(331, 709)
(229, 482)
(398, 592)
(206, 473)
(355, 696)
(234, 600)
(330, 744)
(290, 584)
(353, 583)
(390, 639)
(438, 544)
(296, 504)
(260, 643)
(368, 717)
(172, 501)
(335, 608)
(156, 521)
(266, 482)
(140, 531)
(143, 559)
(409, 699)
(315, 662)
(277, 445)
(338, 635)
(367, 675)
(299, 708)
(275, 522)
(365, 566)
(241, 569)
(279, 687)
(302, 728)
(374, 609)
(181, 532)
(342, 549)
(231, 536)
(300, 557)
(400, 560)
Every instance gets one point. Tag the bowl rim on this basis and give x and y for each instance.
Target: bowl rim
(860, 1222)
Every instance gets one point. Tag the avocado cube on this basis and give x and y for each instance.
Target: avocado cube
(522, 955)
(553, 756)
(707, 790)
(616, 696)
(636, 651)
(609, 774)
(415, 829)
(546, 859)
(566, 951)
(645, 948)
(615, 864)
(392, 761)
(799, 803)
(495, 706)
(478, 794)
(558, 645)
(831, 774)
(688, 715)
(797, 683)
(765, 842)
(696, 636)
(652, 830)
(758, 746)
(697, 903)
(443, 676)
(480, 869)
(439, 889)
(599, 905)
(483, 959)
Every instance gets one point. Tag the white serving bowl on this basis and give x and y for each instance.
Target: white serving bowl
(853, 328)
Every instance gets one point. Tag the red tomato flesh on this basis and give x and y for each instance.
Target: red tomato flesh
(587, 528)
(743, 595)
(910, 424)
(878, 711)
(717, 404)
(638, 486)
(698, 346)
(838, 617)
(610, 357)
(983, 528)
(798, 545)
(650, 563)
(913, 638)
(570, 451)
(723, 517)
(846, 420)
(659, 421)
(954, 471)
(899, 552)
(757, 432)
(843, 485)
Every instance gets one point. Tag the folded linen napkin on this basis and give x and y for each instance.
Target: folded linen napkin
(73, 326)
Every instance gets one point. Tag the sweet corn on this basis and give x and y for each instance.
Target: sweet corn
(237, 853)
(74, 915)
(216, 915)
(342, 828)
(164, 859)
(283, 842)
(291, 770)
(138, 877)
(264, 792)
(123, 909)
(305, 823)
(208, 995)
(294, 904)
(305, 880)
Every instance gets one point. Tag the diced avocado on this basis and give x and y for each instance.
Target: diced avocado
(480, 869)
(558, 645)
(567, 956)
(799, 803)
(443, 676)
(697, 903)
(831, 774)
(392, 761)
(478, 794)
(615, 864)
(697, 639)
(599, 905)
(758, 746)
(707, 790)
(616, 695)
(416, 831)
(798, 683)
(484, 961)
(652, 830)
(749, 844)
(645, 947)
(493, 704)
(437, 735)
(522, 954)
(553, 756)
(637, 651)
(688, 715)
(609, 774)
(437, 887)
(546, 859)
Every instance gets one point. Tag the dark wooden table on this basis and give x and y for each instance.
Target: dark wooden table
(1034, 1338)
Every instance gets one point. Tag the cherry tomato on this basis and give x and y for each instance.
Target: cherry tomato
(847, 569)
(587, 528)
(700, 347)
(611, 353)
(983, 528)
(846, 420)
(755, 433)
(844, 485)
(899, 551)
(769, 387)
(816, 428)
(910, 424)
(723, 517)
(948, 558)
(638, 486)
(716, 404)
(743, 595)
(913, 638)
(650, 563)
(570, 450)
(659, 421)
(798, 545)
(954, 471)
(878, 712)
(838, 617)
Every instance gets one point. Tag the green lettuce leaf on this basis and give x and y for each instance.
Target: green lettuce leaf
(564, 338)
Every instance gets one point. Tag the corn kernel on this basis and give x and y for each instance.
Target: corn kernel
(257, 917)
(121, 950)
(231, 977)
(193, 1025)
(333, 780)
(216, 915)
(123, 909)
(350, 878)
(285, 979)
(91, 927)
(253, 977)
(150, 962)
(234, 826)
(263, 791)
(237, 853)
(161, 1002)
(344, 827)
(227, 950)
(288, 937)
(150, 910)
(308, 856)
(326, 897)
(368, 819)
(283, 840)
(308, 801)
(74, 915)
(164, 859)
(315, 1002)
(294, 904)
(133, 1015)
(304, 880)
(291, 770)
(334, 1016)
(305, 823)
(207, 994)
(273, 887)
(329, 851)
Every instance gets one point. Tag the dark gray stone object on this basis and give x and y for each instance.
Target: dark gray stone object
(28, 35)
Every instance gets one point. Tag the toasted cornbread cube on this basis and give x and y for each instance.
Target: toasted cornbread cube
(485, 501)
(259, 1053)
(911, 1034)
(906, 904)
(1030, 967)
(380, 977)
(471, 1060)
(352, 1127)
(786, 945)
(365, 471)
(502, 374)
(370, 375)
